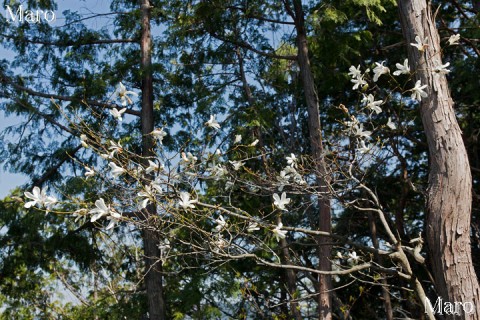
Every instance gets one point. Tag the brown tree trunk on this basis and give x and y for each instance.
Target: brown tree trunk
(449, 191)
(315, 132)
(153, 265)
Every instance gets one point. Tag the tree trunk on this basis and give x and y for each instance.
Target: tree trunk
(153, 265)
(449, 182)
(315, 132)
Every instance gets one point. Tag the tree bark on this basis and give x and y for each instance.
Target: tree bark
(449, 182)
(153, 265)
(315, 133)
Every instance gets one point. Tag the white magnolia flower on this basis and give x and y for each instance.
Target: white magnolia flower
(39, 198)
(221, 223)
(417, 91)
(390, 124)
(212, 123)
(152, 166)
(442, 69)
(292, 160)
(123, 94)
(353, 258)
(116, 170)
(254, 143)
(252, 226)
(117, 114)
(363, 148)
(372, 104)
(90, 172)
(238, 138)
(358, 82)
(159, 134)
(402, 68)
(185, 201)
(355, 73)
(278, 232)
(420, 44)
(236, 165)
(103, 210)
(379, 70)
(217, 170)
(114, 148)
(188, 157)
(281, 202)
(83, 140)
(359, 132)
(155, 185)
(339, 255)
(453, 40)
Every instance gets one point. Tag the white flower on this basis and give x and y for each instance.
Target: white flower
(212, 123)
(355, 73)
(358, 82)
(188, 157)
(116, 170)
(90, 172)
(83, 140)
(236, 165)
(254, 143)
(152, 166)
(156, 186)
(39, 198)
(442, 69)
(185, 201)
(419, 44)
(238, 139)
(217, 170)
(278, 232)
(159, 134)
(359, 132)
(114, 218)
(353, 258)
(417, 91)
(102, 210)
(122, 93)
(117, 114)
(292, 160)
(390, 124)
(281, 202)
(402, 68)
(453, 40)
(379, 70)
(339, 255)
(363, 148)
(252, 226)
(221, 223)
(372, 104)
(114, 148)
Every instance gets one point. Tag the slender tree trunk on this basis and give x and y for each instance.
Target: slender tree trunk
(449, 182)
(315, 132)
(153, 265)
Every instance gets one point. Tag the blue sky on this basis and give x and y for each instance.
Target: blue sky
(9, 181)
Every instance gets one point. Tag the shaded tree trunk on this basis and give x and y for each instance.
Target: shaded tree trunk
(153, 265)
(316, 145)
(449, 182)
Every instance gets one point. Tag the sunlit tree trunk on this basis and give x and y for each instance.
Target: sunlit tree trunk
(153, 265)
(449, 191)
